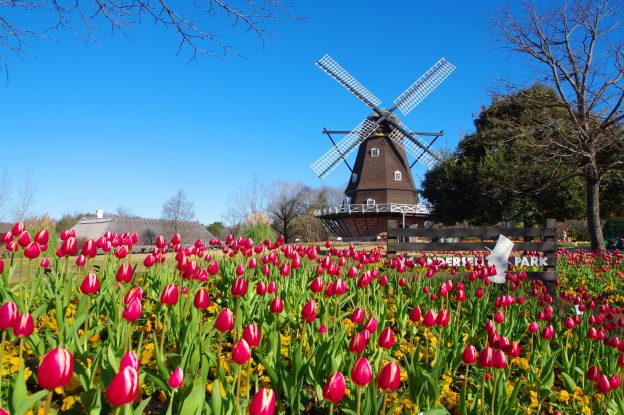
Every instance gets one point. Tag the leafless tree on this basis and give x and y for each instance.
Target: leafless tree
(25, 197)
(245, 203)
(178, 210)
(149, 236)
(123, 211)
(287, 201)
(579, 49)
(5, 192)
(193, 25)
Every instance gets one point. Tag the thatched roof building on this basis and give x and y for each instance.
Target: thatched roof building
(147, 229)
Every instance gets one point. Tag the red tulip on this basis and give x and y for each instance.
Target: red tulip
(251, 334)
(42, 237)
(533, 327)
(124, 273)
(69, 246)
(357, 316)
(272, 287)
(176, 379)
(89, 249)
(23, 325)
(170, 295)
(240, 270)
(1, 266)
(309, 311)
(500, 362)
(24, 239)
(486, 358)
(8, 315)
(45, 262)
(277, 305)
(548, 332)
(317, 285)
(4, 412)
(603, 385)
(386, 338)
(124, 386)
(132, 312)
(18, 228)
(415, 315)
(362, 372)
(358, 342)
(263, 402)
(615, 381)
(134, 292)
(55, 369)
(175, 239)
(241, 352)
(32, 251)
(130, 359)
(469, 356)
(225, 320)
(430, 319)
(499, 317)
(371, 325)
(390, 377)
(261, 288)
(90, 284)
(239, 287)
(334, 388)
(201, 301)
(569, 323)
(443, 318)
(593, 373)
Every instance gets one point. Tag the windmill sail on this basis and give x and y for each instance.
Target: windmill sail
(414, 146)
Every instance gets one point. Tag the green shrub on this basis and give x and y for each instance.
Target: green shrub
(258, 232)
(614, 227)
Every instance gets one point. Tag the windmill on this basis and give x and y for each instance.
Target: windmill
(381, 184)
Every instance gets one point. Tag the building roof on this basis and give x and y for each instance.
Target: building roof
(147, 229)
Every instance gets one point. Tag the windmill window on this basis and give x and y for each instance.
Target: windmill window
(353, 177)
(374, 152)
(370, 202)
(397, 176)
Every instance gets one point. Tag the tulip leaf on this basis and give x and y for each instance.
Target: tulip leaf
(436, 411)
(568, 382)
(28, 402)
(92, 401)
(139, 409)
(215, 398)
(18, 393)
(194, 402)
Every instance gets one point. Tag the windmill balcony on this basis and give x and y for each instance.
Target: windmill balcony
(417, 209)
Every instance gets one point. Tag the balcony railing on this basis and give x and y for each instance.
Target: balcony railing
(419, 209)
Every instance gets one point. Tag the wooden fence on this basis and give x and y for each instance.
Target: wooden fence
(547, 243)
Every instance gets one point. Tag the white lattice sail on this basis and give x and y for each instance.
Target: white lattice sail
(344, 78)
(328, 161)
(419, 152)
(419, 90)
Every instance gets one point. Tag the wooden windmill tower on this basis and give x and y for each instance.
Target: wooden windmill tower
(381, 186)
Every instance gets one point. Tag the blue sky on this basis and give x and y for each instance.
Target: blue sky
(127, 122)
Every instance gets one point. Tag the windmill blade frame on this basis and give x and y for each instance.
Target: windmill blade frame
(425, 85)
(344, 78)
(330, 160)
(414, 146)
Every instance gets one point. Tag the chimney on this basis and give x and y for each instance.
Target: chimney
(99, 213)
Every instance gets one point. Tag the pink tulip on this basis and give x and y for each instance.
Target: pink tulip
(124, 273)
(309, 311)
(362, 372)
(263, 402)
(334, 388)
(55, 369)
(170, 295)
(251, 334)
(225, 320)
(90, 284)
(176, 379)
(389, 377)
(130, 359)
(8, 315)
(201, 300)
(124, 386)
(132, 312)
(241, 352)
(23, 325)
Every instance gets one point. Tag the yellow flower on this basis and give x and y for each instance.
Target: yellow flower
(68, 402)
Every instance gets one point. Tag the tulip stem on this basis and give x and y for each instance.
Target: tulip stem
(46, 409)
(162, 337)
(2, 357)
(495, 380)
(86, 324)
(331, 408)
(248, 378)
(466, 387)
(238, 382)
(385, 401)
(359, 399)
(483, 390)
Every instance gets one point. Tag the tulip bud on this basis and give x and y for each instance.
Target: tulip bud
(469, 356)
(261, 288)
(358, 342)
(239, 287)
(201, 301)
(130, 359)
(55, 369)
(390, 377)
(8, 315)
(486, 358)
(500, 362)
(357, 316)
(176, 379)
(90, 284)
(241, 352)
(251, 334)
(170, 295)
(334, 388)
(371, 325)
(23, 325)
(386, 339)
(416, 314)
(124, 273)
(263, 402)
(124, 386)
(309, 311)
(615, 381)
(32, 251)
(132, 311)
(430, 319)
(362, 372)
(277, 305)
(225, 320)
(593, 373)
(603, 386)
